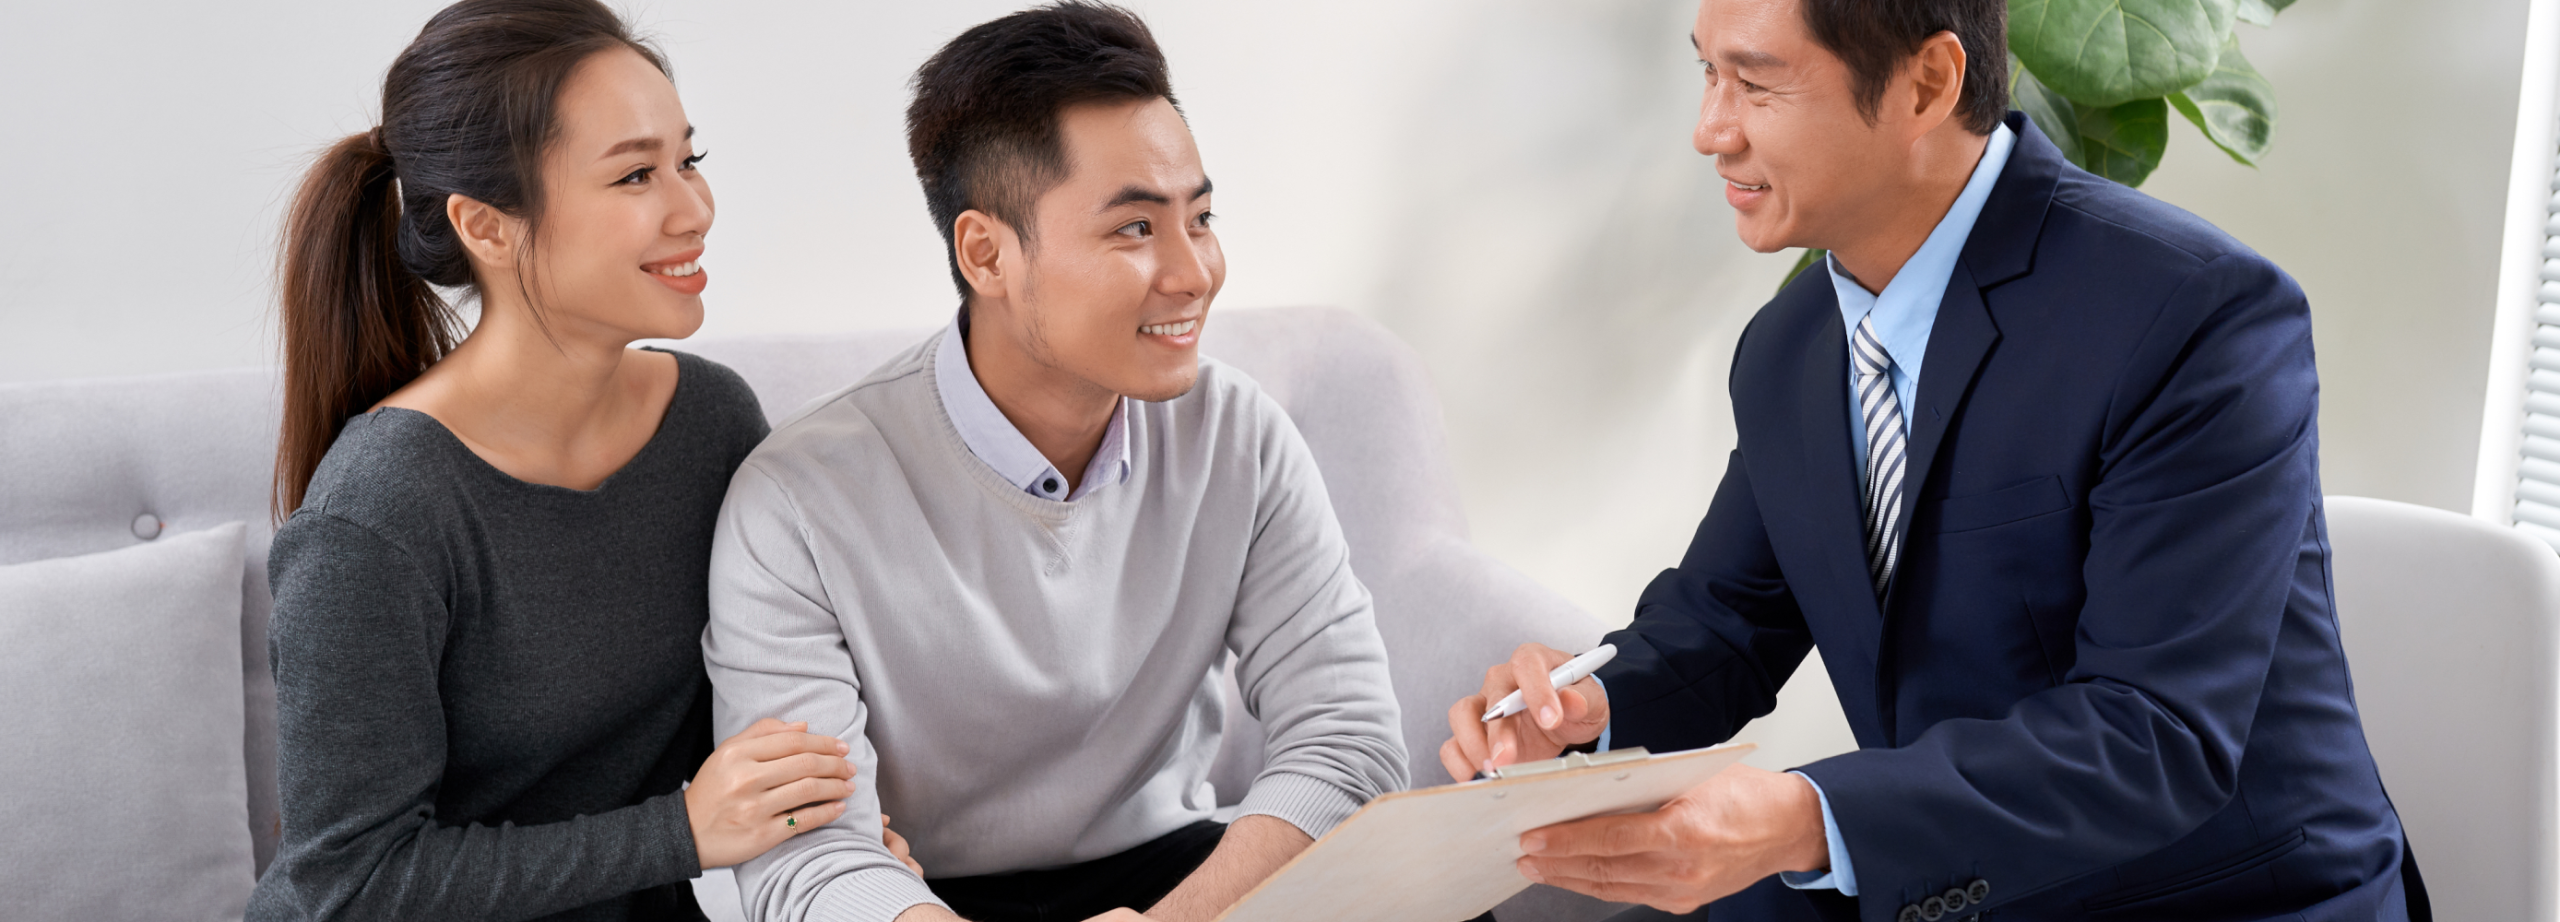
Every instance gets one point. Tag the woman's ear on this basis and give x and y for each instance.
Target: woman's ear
(489, 235)
(979, 241)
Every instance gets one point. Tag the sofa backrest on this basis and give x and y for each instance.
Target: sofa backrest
(2452, 628)
(88, 466)
(100, 464)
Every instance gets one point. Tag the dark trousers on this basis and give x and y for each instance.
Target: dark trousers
(1134, 879)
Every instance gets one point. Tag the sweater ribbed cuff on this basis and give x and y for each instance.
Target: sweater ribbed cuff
(1311, 805)
(671, 824)
(870, 895)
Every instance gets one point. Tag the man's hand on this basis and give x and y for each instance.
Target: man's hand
(1554, 718)
(1253, 846)
(1742, 825)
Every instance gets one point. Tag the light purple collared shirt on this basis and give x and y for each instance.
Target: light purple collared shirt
(995, 441)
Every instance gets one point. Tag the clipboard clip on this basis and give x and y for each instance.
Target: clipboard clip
(1569, 763)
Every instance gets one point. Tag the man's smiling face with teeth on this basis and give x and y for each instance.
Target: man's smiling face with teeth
(1796, 153)
(1115, 283)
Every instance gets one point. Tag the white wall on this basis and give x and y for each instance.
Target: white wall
(2384, 196)
(1505, 183)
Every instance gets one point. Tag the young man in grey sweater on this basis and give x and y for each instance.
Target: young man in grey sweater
(1008, 565)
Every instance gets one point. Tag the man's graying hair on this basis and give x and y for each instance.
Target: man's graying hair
(1875, 37)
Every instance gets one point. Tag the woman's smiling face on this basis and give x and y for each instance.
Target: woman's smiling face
(624, 208)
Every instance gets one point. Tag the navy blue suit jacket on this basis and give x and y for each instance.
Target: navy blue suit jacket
(2106, 679)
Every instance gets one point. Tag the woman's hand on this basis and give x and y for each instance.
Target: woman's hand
(898, 846)
(750, 794)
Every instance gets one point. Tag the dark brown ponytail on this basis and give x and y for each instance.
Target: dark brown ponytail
(468, 108)
(357, 325)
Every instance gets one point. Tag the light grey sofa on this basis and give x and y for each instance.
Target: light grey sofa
(2453, 626)
(101, 465)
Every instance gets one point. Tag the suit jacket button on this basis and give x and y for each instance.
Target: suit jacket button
(1956, 899)
(1909, 914)
(1978, 892)
(1933, 909)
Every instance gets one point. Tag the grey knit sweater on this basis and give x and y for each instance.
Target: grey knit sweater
(489, 691)
(1030, 683)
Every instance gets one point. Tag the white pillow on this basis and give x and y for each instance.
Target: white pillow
(122, 794)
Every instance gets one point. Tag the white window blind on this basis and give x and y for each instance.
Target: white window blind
(2537, 509)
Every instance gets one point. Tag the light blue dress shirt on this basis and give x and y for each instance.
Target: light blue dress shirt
(995, 441)
(1904, 312)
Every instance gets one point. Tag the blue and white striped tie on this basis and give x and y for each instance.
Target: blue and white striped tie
(1882, 411)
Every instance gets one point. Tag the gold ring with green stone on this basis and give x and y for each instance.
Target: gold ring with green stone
(790, 822)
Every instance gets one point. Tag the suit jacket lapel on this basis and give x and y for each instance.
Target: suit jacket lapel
(2001, 247)
(1958, 343)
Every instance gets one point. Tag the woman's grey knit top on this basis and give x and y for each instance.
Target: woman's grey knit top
(489, 692)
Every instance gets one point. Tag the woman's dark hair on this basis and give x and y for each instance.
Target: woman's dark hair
(1875, 37)
(468, 108)
(983, 129)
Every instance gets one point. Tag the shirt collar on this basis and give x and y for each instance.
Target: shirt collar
(1002, 447)
(1908, 306)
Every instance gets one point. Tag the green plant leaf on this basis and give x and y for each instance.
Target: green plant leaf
(2110, 52)
(2256, 12)
(2059, 119)
(1810, 259)
(2236, 106)
(2122, 142)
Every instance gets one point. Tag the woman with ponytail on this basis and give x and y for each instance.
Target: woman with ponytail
(490, 583)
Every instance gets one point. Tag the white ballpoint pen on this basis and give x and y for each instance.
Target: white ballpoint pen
(1573, 670)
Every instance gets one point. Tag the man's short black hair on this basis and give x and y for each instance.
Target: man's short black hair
(983, 129)
(1875, 37)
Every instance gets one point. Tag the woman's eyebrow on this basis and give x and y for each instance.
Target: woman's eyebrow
(640, 144)
(635, 144)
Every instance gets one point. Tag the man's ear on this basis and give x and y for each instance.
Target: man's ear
(979, 241)
(488, 234)
(1937, 80)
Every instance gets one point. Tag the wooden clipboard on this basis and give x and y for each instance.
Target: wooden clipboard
(1448, 853)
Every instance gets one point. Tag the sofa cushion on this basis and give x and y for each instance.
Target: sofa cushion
(127, 791)
(103, 464)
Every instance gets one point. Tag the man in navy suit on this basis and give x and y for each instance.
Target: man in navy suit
(2032, 459)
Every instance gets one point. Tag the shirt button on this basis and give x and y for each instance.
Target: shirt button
(1049, 486)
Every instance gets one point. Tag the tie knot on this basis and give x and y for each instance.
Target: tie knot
(1866, 351)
